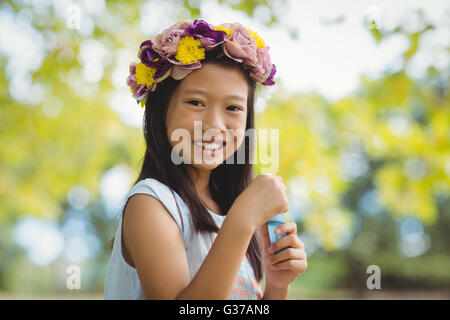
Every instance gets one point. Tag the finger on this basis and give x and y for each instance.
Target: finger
(288, 254)
(265, 236)
(288, 227)
(265, 240)
(297, 266)
(291, 240)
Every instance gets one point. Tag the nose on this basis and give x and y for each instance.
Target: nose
(214, 119)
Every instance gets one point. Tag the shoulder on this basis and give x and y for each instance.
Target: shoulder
(144, 211)
(150, 186)
(150, 195)
(145, 220)
(158, 190)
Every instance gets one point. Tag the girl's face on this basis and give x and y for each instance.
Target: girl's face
(215, 98)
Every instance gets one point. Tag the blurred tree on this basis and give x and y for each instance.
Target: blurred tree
(356, 168)
(362, 165)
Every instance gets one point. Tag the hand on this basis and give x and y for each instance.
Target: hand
(263, 198)
(282, 268)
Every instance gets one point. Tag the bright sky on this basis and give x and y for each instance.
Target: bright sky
(330, 57)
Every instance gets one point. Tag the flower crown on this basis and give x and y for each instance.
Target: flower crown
(178, 50)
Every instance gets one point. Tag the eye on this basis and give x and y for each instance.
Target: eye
(235, 108)
(193, 102)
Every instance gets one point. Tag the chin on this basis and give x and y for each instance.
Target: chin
(205, 167)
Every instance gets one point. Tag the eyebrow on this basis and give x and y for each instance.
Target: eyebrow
(234, 96)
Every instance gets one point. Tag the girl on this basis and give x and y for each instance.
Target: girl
(195, 228)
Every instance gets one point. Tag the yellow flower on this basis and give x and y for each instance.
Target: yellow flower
(190, 50)
(142, 103)
(227, 31)
(144, 75)
(259, 41)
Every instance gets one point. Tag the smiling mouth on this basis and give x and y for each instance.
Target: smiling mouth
(210, 146)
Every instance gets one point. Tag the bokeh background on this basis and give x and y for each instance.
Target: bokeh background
(361, 103)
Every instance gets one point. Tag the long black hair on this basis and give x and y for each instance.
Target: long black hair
(226, 182)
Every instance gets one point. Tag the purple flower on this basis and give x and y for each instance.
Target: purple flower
(270, 81)
(151, 58)
(208, 36)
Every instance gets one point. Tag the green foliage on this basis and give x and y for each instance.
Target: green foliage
(399, 125)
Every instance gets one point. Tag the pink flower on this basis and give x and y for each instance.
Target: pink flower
(166, 45)
(166, 42)
(261, 71)
(240, 45)
(179, 71)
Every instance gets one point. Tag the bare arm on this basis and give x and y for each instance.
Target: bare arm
(215, 277)
(156, 247)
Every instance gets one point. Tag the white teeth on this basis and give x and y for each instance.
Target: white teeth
(208, 146)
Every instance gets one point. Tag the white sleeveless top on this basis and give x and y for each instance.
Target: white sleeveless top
(122, 280)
